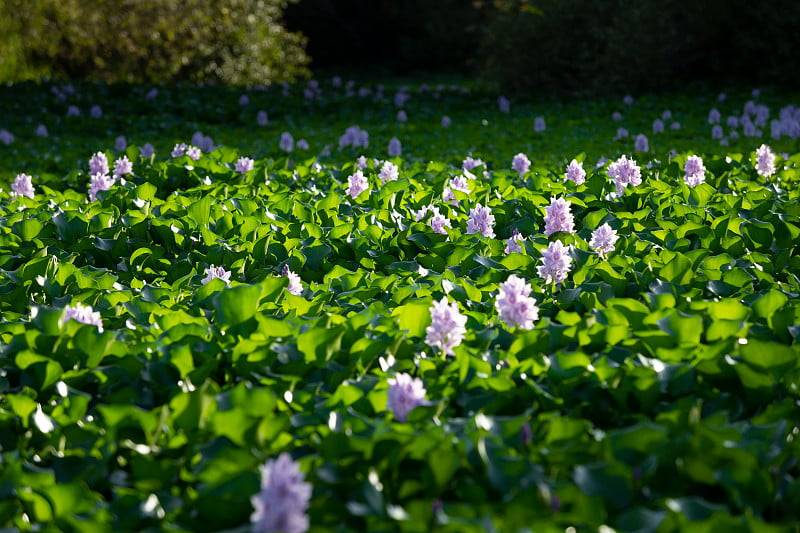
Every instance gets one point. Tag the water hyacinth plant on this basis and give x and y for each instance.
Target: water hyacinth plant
(441, 345)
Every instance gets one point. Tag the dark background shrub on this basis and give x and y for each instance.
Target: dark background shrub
(233, 41)
(620, 46)
(394, 36)
(591, 46)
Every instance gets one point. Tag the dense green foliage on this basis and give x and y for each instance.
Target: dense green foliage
(658, 390)
(235, 41)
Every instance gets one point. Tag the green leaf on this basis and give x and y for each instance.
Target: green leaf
(235, 305)
(769, 356)
(679, 270)
(607, 480)
(769, 302)
(320, 344)
(686, 330)
(27, 229)
(200, 211)
(146, 191)
(414, 316)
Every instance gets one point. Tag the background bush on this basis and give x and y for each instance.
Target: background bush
(595, 46)
(622, 46)
(233, 41)
(396, 36)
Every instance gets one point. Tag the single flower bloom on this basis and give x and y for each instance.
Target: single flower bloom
(616, 116)
(244, 100)
(558, 217)
(628, 100)
(147, 150)
(470, 163)
(603, 240)
(22, 186)
(503, 104)
(287, 142)
(439, 222)
(179, 149)
(83, 314)
(357, 183)
(99, 182)
(400, 98)
(539, 125)
(481, 220)
(244, 165)
(556, 263)
(641, 144)
(389, 172)
(446, 121)
(419, 215)
(459, 183)
(675, 126)
(694, 171)
(216, 272)
(749, 129)
(622, 133)
(765, 161)
(6, 137)
(361, 162)
(514, 305)
(666, 115)
(395, 148)
(716, 132)
(354, 136)
(575, 172)
(194, 152)
(402, 116)
(120, 143)
(624, 172)
(41, 130)
(521, 164)
(96, 111)
(405, 393)
(73, 111)
(514, 243)
(447, 328)
(658, 126)
(281, 504)
(302, 144)
(122, 166)
(151, 94)
(262, 119)
(295, 283)
(714, 116)
(98, 164)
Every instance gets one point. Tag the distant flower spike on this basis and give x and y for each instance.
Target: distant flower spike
(765, 161)
(603, 240)
(556, 263)
(694, 171)
(282, 502)
(447, 328)
(514, 305)
(481, 220)
(216, 272)
(22, 186)
(405, 393)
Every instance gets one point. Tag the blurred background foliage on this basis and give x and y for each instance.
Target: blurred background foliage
(550, 46)
(543, 46)
(231, 41)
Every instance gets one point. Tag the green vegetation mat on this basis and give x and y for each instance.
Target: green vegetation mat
(657, 390)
